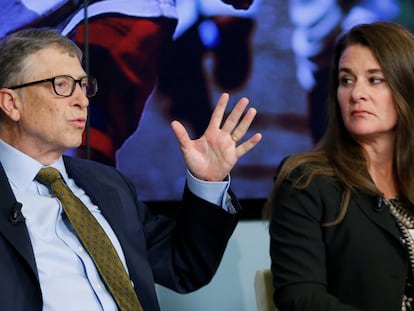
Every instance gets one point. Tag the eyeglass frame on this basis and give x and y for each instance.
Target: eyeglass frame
(52, 80)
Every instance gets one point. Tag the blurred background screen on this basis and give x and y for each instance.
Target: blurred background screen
(151, 71)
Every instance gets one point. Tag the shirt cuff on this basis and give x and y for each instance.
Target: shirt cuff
(213, 192)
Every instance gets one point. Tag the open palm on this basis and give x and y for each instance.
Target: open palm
(212, 156)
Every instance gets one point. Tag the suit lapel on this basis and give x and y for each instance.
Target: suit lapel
(100, 193)
(379, 214)
(15, 233)
(104, 196)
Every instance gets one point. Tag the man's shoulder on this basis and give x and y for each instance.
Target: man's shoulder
(85, 166)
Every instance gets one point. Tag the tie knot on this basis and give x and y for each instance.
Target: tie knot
(48, 175)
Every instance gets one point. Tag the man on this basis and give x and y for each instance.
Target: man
(45, 263)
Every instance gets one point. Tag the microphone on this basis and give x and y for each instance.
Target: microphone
(380, 205)
(16, 214)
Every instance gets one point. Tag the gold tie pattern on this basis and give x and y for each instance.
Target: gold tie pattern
(94, 239)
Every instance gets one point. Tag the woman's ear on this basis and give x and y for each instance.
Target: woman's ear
(8, 104)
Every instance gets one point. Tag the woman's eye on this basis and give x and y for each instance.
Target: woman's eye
(345, 81)
(376, 80)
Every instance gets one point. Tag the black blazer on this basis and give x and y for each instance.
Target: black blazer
(359, 264)
(182, 261)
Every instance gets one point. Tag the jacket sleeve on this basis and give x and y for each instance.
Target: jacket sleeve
(178, 248)
(185, 249)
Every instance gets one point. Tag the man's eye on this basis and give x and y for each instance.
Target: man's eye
(62, 83)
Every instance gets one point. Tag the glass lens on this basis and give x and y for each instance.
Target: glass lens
(89, 86)
(63, 85)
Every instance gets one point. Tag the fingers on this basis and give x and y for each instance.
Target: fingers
(233, 125)
(218, 113)
(234, 117)
(243, 126)
(238, 128)
(248, 145)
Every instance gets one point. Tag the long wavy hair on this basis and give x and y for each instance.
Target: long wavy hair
(337, 154)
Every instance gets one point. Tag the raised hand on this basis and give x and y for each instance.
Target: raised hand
(212, 156)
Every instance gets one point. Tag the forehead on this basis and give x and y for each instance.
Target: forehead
(358, 54)
(52, 61)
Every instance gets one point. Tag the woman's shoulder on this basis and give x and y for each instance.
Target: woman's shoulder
(303, 165)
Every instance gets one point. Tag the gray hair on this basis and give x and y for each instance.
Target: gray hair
(17, 47)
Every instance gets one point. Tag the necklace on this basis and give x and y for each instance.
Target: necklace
(405, 222)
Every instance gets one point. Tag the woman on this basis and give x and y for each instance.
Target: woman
(342, 213)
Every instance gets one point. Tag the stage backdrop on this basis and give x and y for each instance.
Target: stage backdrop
(276, 54)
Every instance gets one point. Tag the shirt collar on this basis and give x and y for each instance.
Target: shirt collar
(21, 169)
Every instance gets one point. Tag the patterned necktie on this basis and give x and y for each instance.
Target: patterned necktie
(94, 239)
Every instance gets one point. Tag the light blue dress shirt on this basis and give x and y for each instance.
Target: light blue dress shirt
(63, 264)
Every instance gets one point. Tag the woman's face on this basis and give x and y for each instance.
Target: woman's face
(365, 98)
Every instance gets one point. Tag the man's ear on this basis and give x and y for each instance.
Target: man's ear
(8, 104)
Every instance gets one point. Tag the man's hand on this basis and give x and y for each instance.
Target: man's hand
(213, 155)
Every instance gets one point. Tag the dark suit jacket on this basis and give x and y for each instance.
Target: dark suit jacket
(182, 261)
(359, 264)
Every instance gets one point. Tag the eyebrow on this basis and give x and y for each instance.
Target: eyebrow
(347, 70)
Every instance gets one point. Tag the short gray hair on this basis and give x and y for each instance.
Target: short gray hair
(18, 46)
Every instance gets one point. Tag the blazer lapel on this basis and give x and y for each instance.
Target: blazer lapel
(379, 214)
(14, 232)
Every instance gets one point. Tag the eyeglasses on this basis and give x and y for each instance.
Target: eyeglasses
(65, 85)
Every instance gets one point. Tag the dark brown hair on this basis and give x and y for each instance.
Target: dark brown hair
(337, 154)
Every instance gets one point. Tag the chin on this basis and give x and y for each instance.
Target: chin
(76, 143)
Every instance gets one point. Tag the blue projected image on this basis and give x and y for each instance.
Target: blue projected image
(151, 70)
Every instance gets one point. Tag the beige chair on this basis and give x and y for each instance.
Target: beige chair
(263, 287)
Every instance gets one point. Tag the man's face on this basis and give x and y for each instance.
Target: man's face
(49, 123)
